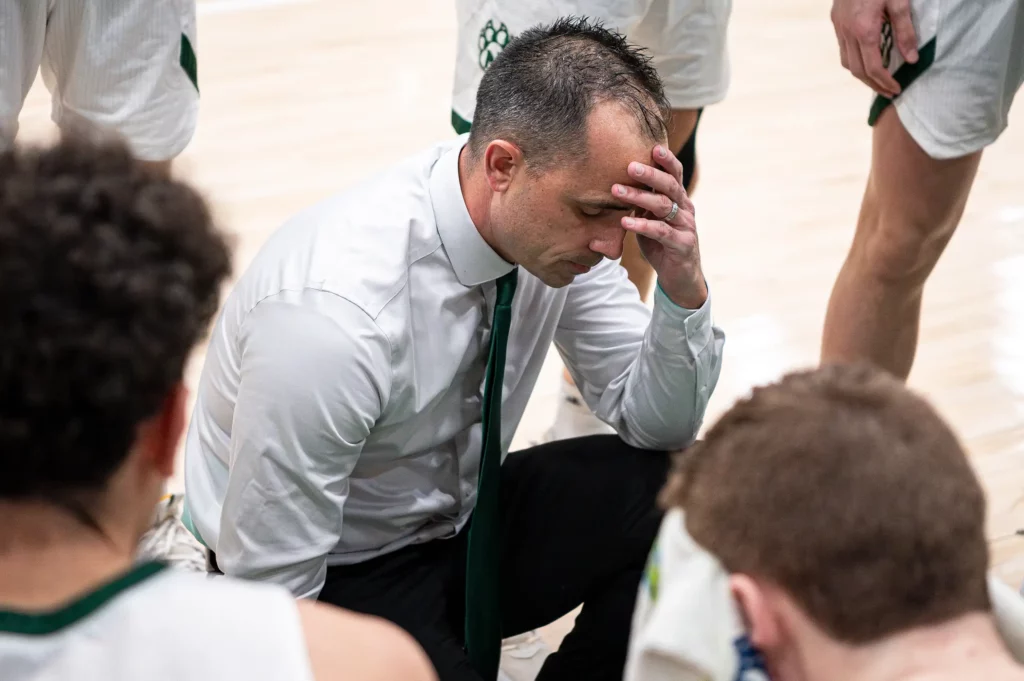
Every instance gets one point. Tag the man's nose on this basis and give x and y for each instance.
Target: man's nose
(609, 242)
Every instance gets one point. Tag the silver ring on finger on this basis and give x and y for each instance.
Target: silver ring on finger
(672, 213)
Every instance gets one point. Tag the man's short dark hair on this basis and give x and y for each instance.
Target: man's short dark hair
(110, 274)
(849, 492)
(539, 91)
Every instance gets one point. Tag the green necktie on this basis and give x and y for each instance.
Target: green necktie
(483, 607)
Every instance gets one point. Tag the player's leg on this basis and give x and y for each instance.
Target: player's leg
(927, 145)
(911, 207)
(22, 27)
(128, 66)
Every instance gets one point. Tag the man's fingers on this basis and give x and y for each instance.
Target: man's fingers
(676, 237)
(903, 28)
(856, 63)
(653, 229)
(844, 47)
(665, 158)
(840, 39)
(658, 180)
(868, 53)
(656, 204)
(878, 76)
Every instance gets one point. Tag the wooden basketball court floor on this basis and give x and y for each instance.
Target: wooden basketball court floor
(300, 98)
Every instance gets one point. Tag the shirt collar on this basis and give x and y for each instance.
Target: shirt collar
(473, 260)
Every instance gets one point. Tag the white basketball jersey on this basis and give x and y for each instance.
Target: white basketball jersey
(158, 624)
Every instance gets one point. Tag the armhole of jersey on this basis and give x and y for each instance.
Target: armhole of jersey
(257, 632)
(904, 75)
(300, 667)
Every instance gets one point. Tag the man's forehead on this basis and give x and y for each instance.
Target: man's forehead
(614, 132)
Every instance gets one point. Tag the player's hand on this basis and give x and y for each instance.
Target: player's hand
(858, 25)
(668, 242)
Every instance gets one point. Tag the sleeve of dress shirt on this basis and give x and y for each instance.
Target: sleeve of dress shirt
(647, 374)
(315, 376)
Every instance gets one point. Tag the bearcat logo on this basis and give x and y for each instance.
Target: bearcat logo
(491, 41)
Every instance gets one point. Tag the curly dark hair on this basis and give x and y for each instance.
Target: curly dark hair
(539, 91)
(109, 276)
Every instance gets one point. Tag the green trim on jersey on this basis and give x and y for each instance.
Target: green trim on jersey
(189, 62)
(46, 623)
(905, 75)
(460, 124)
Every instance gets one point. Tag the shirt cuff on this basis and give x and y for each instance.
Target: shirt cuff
(675, 328)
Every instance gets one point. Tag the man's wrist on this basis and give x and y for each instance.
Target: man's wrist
(691, 299)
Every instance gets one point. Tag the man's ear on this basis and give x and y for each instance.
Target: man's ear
(759, 616)
(502, 160)
(161, 435)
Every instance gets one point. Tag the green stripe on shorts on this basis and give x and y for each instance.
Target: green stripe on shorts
(460, 124)
(905, 75)
(188, 61)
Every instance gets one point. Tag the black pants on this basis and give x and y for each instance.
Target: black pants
(578, 521)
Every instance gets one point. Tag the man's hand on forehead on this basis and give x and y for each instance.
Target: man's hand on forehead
(665, 226)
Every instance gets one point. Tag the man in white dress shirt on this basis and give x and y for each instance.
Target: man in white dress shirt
(336, 442)
(686, 40)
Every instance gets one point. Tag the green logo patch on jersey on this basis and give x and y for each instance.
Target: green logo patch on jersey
(491, 41)
(652, 573)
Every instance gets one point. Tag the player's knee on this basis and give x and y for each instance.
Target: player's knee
(902, 250)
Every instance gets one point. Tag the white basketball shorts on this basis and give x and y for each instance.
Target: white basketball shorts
(956, 98)
(123, 65)
(686, 40)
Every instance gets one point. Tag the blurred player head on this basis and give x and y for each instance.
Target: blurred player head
(560, 114)
(111, 273)
(852, 525)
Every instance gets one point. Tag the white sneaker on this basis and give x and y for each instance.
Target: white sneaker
(522, 657)
(169, 541)
(573, 418)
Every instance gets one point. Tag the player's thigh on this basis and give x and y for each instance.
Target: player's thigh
(22, 27)
(128, 66)
(913, 202)
(928, 142)
(687, 40)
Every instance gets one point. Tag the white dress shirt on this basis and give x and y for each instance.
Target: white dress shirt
(338, 416)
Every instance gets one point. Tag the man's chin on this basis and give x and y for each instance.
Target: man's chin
(553, 277)
(558, 279)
